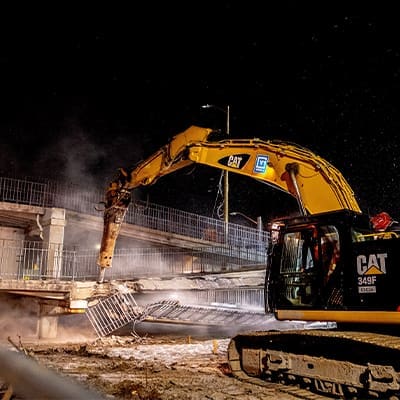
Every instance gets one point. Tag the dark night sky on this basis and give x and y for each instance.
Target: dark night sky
(86, 91)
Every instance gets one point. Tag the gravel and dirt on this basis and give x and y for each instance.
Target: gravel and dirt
(152, 368)
(139, 365)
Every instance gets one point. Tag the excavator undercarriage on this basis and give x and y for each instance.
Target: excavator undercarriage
(334, 363)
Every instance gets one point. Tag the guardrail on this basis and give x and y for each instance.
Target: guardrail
(243, 248)
(28, 260)
(81, 199)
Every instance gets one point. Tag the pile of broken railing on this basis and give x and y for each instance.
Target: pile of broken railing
(121, 309)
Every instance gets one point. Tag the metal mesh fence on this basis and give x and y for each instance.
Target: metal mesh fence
(22, 191)
(187, 224)
(153, 216)
(242, 248)
(39, 260)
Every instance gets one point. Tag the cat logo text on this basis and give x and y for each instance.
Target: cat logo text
(368, 267)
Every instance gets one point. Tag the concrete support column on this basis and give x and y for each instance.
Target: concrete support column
(53, 224)
(47, 323)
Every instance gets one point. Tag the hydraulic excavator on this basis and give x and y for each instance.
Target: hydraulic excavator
(331, 262)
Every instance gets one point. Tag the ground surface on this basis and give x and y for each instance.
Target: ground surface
(156, 362)
(157, 367)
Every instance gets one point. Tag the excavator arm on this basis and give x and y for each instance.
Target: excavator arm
(315, 183)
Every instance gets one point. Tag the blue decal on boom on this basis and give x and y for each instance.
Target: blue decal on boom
(261, 164)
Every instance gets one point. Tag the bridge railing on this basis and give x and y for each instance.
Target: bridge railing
(23, 191)
(36, 260)
(153, 216)
(196, 226)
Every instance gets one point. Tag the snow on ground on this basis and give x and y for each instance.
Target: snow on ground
(168, 354)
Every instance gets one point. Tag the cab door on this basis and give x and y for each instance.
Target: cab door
(309, 273)
(298, 269)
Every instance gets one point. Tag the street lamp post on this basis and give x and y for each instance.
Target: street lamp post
(226, 174)
(258, 223)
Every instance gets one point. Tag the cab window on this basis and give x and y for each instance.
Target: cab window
(298, 266)
(309, 261)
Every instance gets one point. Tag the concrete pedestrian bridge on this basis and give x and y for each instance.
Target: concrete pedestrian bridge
(50, 235)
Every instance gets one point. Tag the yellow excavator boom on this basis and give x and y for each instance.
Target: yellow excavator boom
(314, 182)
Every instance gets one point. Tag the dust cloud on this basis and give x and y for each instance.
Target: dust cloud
(19, 322)
(75, 328)
(16, 318)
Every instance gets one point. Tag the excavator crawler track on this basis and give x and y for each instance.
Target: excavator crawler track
(337, 364)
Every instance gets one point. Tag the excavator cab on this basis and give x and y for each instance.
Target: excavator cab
(309, 256)
(333, 267)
